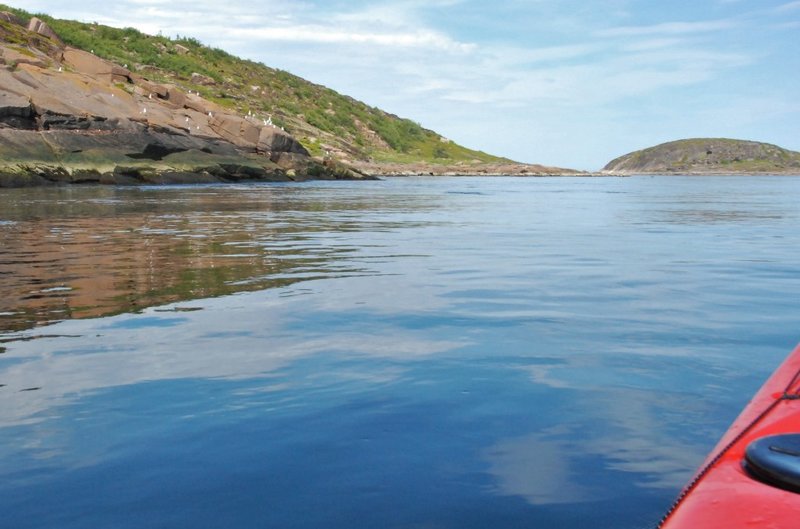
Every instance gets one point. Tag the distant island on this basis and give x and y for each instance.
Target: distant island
(708, 156)
(87, 103)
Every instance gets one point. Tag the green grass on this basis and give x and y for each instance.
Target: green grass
(316, 115)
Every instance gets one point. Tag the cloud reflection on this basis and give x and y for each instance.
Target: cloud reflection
(617, 428)
(538, 468)
(238, 337)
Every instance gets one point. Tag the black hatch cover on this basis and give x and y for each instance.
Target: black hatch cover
(775, 460)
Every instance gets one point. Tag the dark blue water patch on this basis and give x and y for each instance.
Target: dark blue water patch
(145, 322)
(508, 361)
(412, 321)
(387, 445)
(221, 335)
(7, 362)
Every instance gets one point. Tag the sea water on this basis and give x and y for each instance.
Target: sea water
(409, 353)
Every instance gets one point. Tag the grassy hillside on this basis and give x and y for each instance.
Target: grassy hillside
(322, 119)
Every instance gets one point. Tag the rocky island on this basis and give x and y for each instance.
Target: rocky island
(708, 156)
(85, 103)
(69, 116)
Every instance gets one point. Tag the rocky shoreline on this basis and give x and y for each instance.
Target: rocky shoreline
(463, 169)
(70, 117)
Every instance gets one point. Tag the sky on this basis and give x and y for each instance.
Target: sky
(569, 83)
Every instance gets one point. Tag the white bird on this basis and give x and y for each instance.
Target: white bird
(59, 68)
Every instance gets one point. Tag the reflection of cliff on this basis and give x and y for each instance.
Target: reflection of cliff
(77, 255)
(69, 271)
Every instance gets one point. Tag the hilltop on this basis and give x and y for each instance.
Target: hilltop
(708, 156)
(188, 103)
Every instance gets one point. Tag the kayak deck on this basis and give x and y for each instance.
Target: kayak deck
(723, 492)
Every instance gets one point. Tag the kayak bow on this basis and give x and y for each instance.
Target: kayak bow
(752, 477)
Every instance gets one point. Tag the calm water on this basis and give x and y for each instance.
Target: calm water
(413, 353)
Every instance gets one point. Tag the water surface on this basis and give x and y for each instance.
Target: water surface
(465, 353)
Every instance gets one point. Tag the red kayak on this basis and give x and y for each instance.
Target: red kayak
(752, 478)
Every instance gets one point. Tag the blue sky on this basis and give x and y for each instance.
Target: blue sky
(572, 83)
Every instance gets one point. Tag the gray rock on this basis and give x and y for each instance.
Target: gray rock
(274, 140)
(203, 80)
(39, 26)
(16, 111)
(11, 18)
(92, 65)
(235, 129)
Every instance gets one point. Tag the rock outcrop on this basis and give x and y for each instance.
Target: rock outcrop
(92, 65)
(39, 26)
(708, 156)
(11, 18)
(68, 116)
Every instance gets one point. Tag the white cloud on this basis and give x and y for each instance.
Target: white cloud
(668, 28)
(328, 35)
(654, 44)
